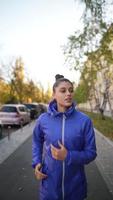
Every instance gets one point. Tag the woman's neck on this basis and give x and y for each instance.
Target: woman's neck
(61, 108)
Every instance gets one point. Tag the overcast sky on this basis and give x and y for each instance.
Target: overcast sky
(36, 30)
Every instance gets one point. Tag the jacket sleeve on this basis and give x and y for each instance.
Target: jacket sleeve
(37, 144)
(88, 153)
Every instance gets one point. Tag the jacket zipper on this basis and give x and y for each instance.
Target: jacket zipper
(63, 166)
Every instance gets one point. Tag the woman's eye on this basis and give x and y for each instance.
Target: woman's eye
(71, 91)
(63, 91)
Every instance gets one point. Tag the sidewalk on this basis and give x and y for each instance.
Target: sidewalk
(104, 160)
(9, 144)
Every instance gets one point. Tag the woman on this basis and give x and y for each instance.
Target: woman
(63, 142)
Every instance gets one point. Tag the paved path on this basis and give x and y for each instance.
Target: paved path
(104, 159)
(98, 177)
(9, 144)
(17, 178)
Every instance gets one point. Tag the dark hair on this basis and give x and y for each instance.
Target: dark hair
(60, 78)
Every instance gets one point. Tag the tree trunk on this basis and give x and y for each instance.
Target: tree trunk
(110, 107)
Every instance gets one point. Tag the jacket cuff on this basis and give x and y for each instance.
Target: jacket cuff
(34, 165)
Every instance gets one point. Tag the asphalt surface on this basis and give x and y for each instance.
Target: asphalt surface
(17, 181)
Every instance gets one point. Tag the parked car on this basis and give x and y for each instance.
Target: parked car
(14, 114)
(42, 108)
(36, 109)
(33, 109)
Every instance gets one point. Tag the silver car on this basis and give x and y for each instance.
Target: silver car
(14, 114)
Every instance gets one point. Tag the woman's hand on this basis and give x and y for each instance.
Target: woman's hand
(59, 154)
(39, 175)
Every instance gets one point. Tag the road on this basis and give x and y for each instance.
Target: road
(17, 179)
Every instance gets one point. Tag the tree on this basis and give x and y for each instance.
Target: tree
(4, 91)
(81, 93)
(16, 88)
(17, 81)
(95, 23)
(97, 74)
(86, 87)
(105, 67)
(91, 44)
(47, 95)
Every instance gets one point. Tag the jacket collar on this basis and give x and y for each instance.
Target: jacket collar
(52, 109)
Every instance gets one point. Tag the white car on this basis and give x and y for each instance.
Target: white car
(14, 114)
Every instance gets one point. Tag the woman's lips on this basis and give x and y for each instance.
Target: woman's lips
(68, 100)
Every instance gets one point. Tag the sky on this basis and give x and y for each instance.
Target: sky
(36, 30)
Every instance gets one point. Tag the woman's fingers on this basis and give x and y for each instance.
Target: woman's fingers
(53, 148)
(38, 167)
(59, 154)
(54, 151)
(39, 175)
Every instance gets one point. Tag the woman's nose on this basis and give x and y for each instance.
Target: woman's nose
(68, 92)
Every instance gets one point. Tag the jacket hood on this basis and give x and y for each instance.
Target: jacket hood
(52, 109)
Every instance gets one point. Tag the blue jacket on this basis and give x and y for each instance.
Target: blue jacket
(66, 179)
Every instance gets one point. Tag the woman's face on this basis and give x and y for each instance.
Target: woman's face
(63, 95)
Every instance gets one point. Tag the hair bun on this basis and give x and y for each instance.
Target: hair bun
(58, 76)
